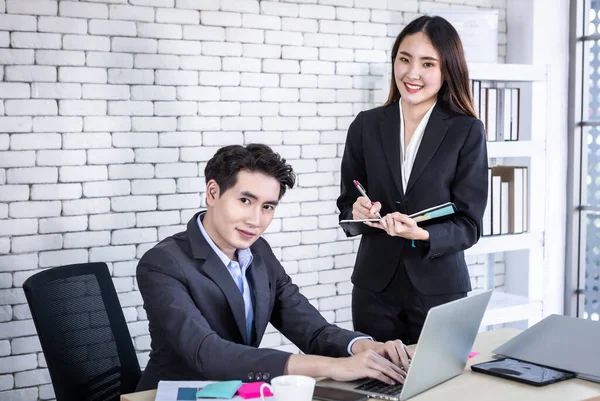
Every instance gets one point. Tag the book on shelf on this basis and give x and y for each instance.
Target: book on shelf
(491, 118)
(476, 92)
(508, 114)
(483, 108)
(507, 204)
(515, 114)
(495, 203)
(498, 109)
(518, 200)
(504, 110)
(487, 214)
(505, 210)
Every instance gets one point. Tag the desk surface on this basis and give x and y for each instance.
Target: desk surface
(480, 387)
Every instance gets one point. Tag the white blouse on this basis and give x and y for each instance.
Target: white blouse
(408, 159)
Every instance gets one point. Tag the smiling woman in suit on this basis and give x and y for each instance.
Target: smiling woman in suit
(424, 147)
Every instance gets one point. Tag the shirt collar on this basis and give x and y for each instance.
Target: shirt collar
(423, 121)
(419, 131)
(244, 255)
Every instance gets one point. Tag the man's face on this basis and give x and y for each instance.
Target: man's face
(240, 215)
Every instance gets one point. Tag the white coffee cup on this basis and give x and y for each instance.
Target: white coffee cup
(290, 388)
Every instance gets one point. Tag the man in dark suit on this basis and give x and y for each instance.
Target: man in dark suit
(210, 291)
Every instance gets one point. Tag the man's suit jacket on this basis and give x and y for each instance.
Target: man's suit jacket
(197, 319)
(451, 165)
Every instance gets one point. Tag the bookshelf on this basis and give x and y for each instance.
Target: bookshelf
(506, 243)
(507, 308)
(523, 253)
(507, 72)
(515, 148)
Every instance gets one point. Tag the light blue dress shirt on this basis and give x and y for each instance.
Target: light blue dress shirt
(238, 273)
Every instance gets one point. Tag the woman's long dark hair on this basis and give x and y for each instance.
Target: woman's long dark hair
(455, 92)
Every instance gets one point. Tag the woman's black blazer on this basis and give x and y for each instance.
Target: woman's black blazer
(451, 165)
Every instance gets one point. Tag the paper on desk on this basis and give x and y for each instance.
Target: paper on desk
(167, 390)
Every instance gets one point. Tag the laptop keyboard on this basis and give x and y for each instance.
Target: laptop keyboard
(376, 386)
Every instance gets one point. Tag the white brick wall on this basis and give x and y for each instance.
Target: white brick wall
(109, 110)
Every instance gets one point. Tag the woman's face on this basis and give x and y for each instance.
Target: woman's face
(417, 70)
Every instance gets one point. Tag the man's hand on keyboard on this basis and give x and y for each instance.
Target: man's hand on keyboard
(394, 350)
(369, 364)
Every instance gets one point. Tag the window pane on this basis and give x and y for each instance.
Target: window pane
(590, 26)
(588, 281)
(591, 283)
(592, 83)
(591, 158)
(591, 9)
(591, 307)
(591, 63)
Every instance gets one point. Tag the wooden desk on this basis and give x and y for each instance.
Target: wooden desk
(477, 386)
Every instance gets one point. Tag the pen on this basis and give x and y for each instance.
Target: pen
(364, 193)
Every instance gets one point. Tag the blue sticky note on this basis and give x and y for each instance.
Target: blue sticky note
(186, 393)
(224, 390)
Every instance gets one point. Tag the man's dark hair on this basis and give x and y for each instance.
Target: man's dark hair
(225, 165)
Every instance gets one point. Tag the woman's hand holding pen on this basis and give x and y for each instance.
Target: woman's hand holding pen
(395, 224)
(363, 208)
(400, 225)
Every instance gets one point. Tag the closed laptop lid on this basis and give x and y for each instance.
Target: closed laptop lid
(561, 342)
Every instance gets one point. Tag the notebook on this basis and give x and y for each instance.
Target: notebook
(224, 390)
(252, 390)
(435, 212)
(445, 209)
(172, 390)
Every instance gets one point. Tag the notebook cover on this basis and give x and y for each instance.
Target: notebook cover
(186, 394)
(222, 390)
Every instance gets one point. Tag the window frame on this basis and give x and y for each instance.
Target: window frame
(577, 205)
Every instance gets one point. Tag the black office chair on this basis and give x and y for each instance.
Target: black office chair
(83, 332)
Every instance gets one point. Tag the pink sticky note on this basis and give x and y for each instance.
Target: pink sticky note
(252, 390)
(473, 354)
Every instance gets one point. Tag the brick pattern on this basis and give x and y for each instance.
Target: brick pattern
(109, 110)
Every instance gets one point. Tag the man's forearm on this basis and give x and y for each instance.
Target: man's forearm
(309, 365)
(366, 364)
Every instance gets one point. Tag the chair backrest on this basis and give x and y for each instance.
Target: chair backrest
(83, 332)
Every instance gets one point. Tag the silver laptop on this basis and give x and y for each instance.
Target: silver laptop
(441, 354)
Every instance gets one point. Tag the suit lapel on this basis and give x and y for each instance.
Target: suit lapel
(217, 272)
(389, 130)
(435, 131)
(262, 292)
(214, 268)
